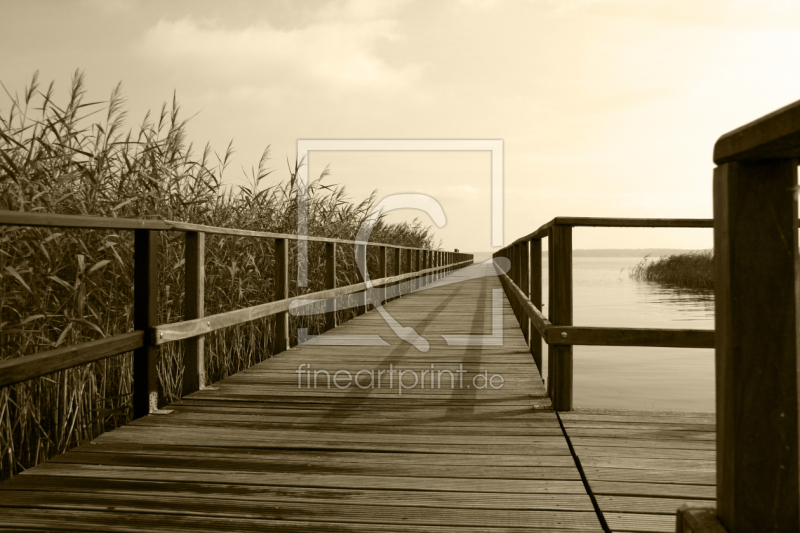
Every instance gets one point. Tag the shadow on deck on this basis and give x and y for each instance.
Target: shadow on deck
(269, 450)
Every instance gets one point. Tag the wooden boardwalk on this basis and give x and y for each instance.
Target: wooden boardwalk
(642, 465)
(262, 453)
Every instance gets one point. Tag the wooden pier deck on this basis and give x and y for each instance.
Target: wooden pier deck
(261, 453)
(642, 465)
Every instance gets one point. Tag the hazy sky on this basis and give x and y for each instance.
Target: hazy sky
(606, 108)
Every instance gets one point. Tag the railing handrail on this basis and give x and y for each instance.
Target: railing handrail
(147, 336)
(52, 220)
(616, 223)
(560, 334)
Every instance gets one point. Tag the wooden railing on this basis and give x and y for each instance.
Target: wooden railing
(523, 285)
(757, 321)
(148, 335)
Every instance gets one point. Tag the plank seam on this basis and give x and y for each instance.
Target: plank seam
(584, 479)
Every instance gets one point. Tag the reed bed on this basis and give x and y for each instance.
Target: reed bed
(64, 287)
(693, 270)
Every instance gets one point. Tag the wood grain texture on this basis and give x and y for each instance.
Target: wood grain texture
(263, 453)
(40, 364)
(641, 466)
(773, 136)
(194, 302)
(756, 296)
(145, 317)
(559, 356)
(22, 218)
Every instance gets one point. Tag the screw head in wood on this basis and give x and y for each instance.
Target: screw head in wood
(208, 324)
(563, 334)
(162, 335)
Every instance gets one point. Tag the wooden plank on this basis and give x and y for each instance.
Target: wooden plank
(194, 307)
(22, 218)
(311, 466)
(756, 286)
(308, 495)
(33, 366)
(640, 522)
(261, 449)
(635, 222)
(593, 336)
(773, 136)
(161, 522)
(660, 490)
(635, 504)
(145, 317)
(319, 512)
(544, 229)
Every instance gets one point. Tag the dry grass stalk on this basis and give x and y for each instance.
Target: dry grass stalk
(64, 287)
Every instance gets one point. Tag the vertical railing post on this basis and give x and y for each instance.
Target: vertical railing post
(193, 359)
(361, 264)
(756, 342)
(398, 269)
(417, 281)
(536, 299)
(526, 289)
(382, 273)
(330, 283)
(559, 356)
(145, 317)
(424, 279)
(410, 269)
(515, 258)
(281, 293)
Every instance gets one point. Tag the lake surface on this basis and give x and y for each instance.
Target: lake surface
(680, 379)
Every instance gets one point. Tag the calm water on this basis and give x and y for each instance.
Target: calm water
(633, 377)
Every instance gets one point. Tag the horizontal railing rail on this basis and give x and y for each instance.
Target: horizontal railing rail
(24, 218)
(523, 285)
(424, 266)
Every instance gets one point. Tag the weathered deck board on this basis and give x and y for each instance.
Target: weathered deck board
(261, 454)
(641, 466)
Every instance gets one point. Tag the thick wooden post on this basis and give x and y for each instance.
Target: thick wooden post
(536, 299)
(382, 273)
(193, 359)
(398, 269)
(559, 356)
(330, 283)
(281, 293)
(525, 279)
(145, 316)
(756, 286)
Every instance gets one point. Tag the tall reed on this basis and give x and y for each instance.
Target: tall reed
(693, 270)
(60, 287)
